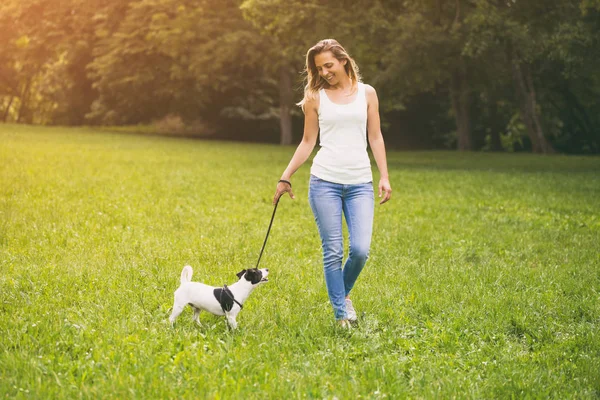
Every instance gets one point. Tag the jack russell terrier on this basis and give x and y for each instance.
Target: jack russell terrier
(226, 300)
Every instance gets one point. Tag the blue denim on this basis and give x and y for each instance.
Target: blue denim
(328, 200)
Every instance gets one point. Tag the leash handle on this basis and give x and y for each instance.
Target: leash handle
(268, 231)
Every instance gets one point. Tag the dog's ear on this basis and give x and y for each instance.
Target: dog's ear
(241, 273)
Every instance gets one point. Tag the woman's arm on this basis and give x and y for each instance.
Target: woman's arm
(305, 148)
(377, 144)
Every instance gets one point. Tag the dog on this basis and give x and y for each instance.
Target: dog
(226, 300)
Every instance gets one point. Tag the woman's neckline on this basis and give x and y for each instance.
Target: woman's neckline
(344, 104)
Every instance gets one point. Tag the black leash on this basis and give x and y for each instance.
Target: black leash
(219, 292)
(268, 231)
(271, 223)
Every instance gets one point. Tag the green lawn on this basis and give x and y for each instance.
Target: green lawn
(483, 280)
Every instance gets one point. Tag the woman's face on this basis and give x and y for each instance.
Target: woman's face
(330, 68)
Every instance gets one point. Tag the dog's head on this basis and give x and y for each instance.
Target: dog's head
(254, 275)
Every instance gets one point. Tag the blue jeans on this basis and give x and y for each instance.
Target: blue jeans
(327, 201)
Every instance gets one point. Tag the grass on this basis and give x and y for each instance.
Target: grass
(483, 280)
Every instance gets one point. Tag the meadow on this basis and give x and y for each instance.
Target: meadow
(483, 279)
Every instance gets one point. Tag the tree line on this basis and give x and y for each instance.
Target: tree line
(466, 74)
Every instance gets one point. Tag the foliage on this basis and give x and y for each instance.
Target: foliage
(236, 63)
(553, 41)
(175, 57)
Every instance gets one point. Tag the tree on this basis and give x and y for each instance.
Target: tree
(42, 66)
(542, 43)
(178, 57)
(466, 70)
(285, 26)
(424, 52)
(29, 43)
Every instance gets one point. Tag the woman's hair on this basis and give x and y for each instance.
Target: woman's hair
(314, 81)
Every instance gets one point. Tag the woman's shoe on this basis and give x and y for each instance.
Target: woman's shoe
(352, 317)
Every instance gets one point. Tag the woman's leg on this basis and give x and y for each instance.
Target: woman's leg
(326, 202)
(358, 209)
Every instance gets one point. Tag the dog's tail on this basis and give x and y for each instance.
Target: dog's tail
(186, 274)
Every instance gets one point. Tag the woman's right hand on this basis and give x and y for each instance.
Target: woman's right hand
(282, 187)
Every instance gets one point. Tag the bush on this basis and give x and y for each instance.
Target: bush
(173, 124)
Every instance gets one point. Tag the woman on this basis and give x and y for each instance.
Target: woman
(343, 109)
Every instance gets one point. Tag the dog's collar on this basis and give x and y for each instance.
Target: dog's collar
(225, 298)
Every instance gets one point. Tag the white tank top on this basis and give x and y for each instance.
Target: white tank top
(343, 156)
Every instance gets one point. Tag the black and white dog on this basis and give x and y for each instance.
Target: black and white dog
(226, 300)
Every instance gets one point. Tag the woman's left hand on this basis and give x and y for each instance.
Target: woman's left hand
(386, 188)
(283, 187)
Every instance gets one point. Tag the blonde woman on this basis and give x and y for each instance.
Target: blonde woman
(346, 113)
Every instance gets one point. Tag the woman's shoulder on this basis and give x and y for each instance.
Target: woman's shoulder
(313, 101)
(370, 93)
(369, 90)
